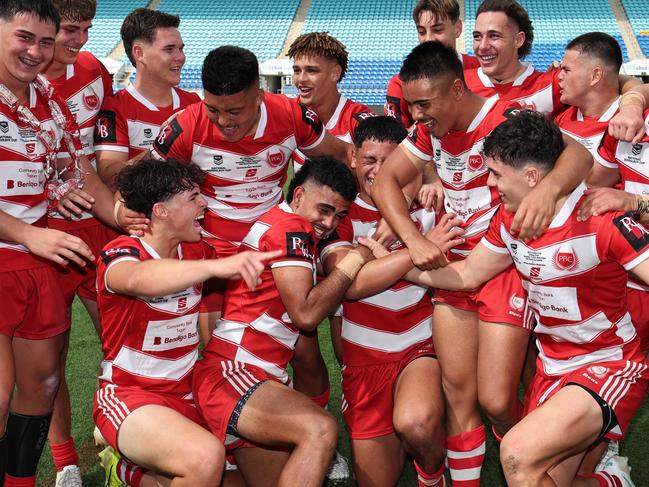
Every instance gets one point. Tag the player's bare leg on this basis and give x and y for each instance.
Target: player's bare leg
(378, 462)
(7, 379)
(277, 415)
(260, 467)
(310, 375)
(187, 453)
(564, 426)
(335, 327)
(501, 356)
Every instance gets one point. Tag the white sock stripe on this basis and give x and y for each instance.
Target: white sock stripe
(459, 474)
(460, 455)
(610, 482)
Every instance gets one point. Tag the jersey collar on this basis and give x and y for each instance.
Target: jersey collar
(486, 81)
(175, 99)
(607, 115)
(263, 121)
(568, 206)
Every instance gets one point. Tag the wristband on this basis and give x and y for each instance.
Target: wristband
(351, 264)
(643, 206)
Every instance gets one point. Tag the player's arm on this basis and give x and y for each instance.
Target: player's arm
(308, 305)
(387, 192)
(538, 207)
(109, 163)
(331, 146)
(159, 277)
(628, 124)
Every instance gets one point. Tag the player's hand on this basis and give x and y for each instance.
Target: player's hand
(447, 233)
(57, 246)
(75, 202)
(535, 212)
(628, 124)
(601, 200)
(425, 254)
(383, 234)
(131, 221)
(431, 196)
(245, 265)
(375, 247)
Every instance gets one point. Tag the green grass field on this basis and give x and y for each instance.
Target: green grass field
(83, 361)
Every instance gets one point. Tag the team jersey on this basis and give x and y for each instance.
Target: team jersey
(22, 159)
(84, 87)
(343, 122)
(387, 326)
(244, 179)
(130, 123)
(462, 169)
(586, 130)
(575, 275)
(533, 89)
(397, 107)
(255, 328)
(148, 342)
(632, 161)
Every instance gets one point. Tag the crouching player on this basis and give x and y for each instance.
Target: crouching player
(149, 291)
(241, 385)
(590, 376)
(392, 391)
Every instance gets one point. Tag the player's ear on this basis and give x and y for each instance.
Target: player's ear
(519, 39)
(137, 51)
(458, 28)
(160, 210)
(298, 196)
(352, 158)
(336, 72)
(532, 176)
(596, 75)
(458, 88)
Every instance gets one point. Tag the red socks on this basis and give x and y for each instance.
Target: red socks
(129, 473)
(64, 454)
(465, 453)
(19, 481)
(425, 479)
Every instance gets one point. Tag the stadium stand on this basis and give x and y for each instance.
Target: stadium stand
(107, 22)
(638, 13)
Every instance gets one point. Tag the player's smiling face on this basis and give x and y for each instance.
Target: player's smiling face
(366, 162)
(164, 57)
(496, 40)
(433, 103)
(321, 206)
(432, 27)
(27, 48)
(315, 78)
(512, 184)
(72, 36)
(234, 115)
(183, 213)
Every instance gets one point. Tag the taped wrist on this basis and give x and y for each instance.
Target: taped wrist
(351, 264)
(632, 95)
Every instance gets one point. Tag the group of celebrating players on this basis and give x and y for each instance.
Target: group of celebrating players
(461, 245)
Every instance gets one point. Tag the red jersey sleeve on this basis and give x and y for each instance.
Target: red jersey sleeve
(419, 143)
(606, 151)
(493, 239)
(343, 235)
(293, 235)
(624, 239)
(119, 250)
(395, 106)
(175, 140)
(111, 130)
(309, 130)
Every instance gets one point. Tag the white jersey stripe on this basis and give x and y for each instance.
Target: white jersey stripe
(139, 363)
(383, 340)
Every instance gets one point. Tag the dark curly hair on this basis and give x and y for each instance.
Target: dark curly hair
(325, 171)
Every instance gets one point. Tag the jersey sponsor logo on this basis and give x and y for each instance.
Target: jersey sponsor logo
(275, 159)
(514, 248)
(565, 260)
(109, 255)
(4, 127)
(476, 162)
(363, 116)
(535, 271)
(250, 173)
(30, 147)
(168, 136)
(90, 99)
(634, 232)
(105, 128)
(182, 303)
(516, 302)
(412, 134)
(310, 117)
(299, 244)
(457, 177)
(392, 107)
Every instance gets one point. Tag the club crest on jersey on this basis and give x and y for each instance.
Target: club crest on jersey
(476, 162)
(90, 99)
(598, 371)
(299, 244)
(4, 127)
(275, 159)
(516, 302)
(634, 232)
(566, 260)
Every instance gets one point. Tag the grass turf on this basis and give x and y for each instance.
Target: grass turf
(83, 361)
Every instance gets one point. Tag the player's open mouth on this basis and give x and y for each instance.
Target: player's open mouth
(72, 50)
(370, 181)
(487, 59)
(29, 62)
(304, 91)
(197, 220)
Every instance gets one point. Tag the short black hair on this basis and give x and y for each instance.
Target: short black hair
(43, 9)
(517, 14)
(325, 171)
(431, 60)
(600, 46)
(381, 129)
(150, 181)
(528, 137)
(76, 10)
(141, 25)
(229, 69)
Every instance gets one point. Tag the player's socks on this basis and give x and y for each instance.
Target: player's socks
(64, 454)
(129, 473)
(3, 459)
(425, 479)
(11, 481)
(25, 438)
(323, 399)
(465, 453)
(497, 436)
(603, 480)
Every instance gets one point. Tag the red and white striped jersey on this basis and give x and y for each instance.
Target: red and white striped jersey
(575, 275)
(632, 161)
(130, 123)
(462, 169)
(532, 89)
(84, 87)
(22, 175)
(244, 179)
(148, 342)
(585, 130)
(397, 107)
(341, 125)
(255, 328)
(387, 326)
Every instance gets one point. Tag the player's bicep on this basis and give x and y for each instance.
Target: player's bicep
(293, 282)
(602, 177)
(485, 262)
(118, 275)
(402, 166)
(109, 163)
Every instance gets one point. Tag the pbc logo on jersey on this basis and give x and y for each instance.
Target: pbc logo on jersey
(310, 117)
(516, 302)
(275, 159)
(457, 177)
(90, 99)
(4, 127)
(476, 162)
(299, 244)
(148, 133)
(634, 232)
(105, 130)
(565, 260)
(535, 272)
(30, 147)
(182, 303)
(168, 136)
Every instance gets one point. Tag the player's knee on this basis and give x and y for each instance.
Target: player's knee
(497, 406)
(417, 427)
(40, 389)
(517, 457)
(205, 463)
(323, 431)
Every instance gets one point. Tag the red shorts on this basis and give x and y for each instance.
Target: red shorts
(367, 398)
(113, 404)
(622, 385)
(83, 280)
(213, 289)
(33, 304)
(500, 300)
(638, 304)
(218, 387)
